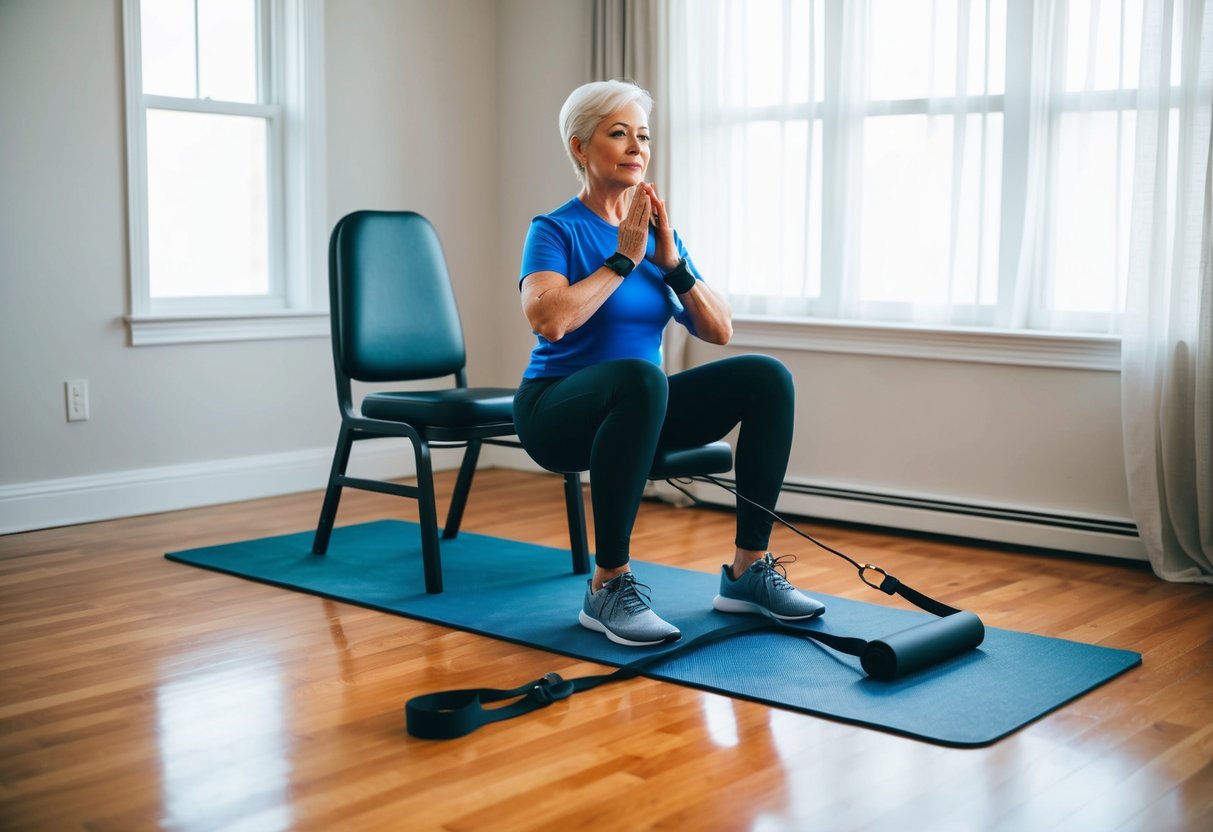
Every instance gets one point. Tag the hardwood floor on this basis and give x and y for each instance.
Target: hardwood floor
(144, 694)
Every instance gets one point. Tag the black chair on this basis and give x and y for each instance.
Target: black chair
(394, 319)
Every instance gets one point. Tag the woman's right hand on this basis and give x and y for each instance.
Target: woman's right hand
(634, 230)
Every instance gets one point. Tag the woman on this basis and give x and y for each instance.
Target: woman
(601, 277)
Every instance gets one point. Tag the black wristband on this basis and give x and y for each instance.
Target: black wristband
(620, 264)
(680, 278)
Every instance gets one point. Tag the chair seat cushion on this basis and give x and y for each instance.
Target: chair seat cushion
(713, 458)
(457, 407)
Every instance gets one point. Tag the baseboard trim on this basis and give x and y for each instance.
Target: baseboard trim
(1005, 525)
(68, 501)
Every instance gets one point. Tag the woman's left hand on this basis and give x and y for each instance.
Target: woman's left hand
(709, 310)
(666, 254)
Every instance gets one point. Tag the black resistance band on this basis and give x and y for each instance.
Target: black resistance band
(456, 713)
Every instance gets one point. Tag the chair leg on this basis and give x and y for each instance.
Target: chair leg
(332, 495)
(454, 514)
(430, 554)
(577, 536)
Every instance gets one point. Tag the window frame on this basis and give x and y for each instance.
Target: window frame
(292, 78)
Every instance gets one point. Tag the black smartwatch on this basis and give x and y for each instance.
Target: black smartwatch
(620, 264)
(680, 278)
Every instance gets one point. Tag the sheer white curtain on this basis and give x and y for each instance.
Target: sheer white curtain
(841, 159)
(934, 162)
(1167, 345)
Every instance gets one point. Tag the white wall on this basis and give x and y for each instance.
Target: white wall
(411, 124)
(63, 238)
(542, 44)
(448, 108)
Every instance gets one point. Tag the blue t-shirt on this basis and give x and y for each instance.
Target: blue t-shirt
(573, 241)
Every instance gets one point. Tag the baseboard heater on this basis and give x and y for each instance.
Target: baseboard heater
(1014, 526)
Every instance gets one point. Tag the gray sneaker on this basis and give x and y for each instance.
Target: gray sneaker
(621, 611)
(764, 589)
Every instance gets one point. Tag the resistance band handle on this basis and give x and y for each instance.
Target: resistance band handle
(450, 714)
(455, 713)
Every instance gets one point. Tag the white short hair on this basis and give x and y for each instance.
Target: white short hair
(589, 104)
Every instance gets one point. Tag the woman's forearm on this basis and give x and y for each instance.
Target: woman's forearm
(710, 313)
(555, 308)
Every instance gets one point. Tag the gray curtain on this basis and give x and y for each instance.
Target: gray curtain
(626, 43)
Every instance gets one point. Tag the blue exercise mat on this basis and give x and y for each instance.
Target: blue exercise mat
(527, 594)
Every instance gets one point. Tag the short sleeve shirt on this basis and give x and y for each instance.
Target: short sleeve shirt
(574, 242)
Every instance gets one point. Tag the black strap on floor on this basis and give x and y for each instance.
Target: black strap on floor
(456, 713)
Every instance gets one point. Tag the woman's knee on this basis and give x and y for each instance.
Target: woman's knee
(769, 377)
(635, 377)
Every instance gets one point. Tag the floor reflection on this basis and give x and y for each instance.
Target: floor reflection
(224, 749)
(720, 719)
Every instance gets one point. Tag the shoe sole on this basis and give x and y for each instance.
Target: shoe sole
(733, 605)
(598, 627)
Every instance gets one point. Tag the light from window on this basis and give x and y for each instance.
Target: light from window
(208, 170)
(200, 49)
(916, 49)
(922, 161)
(207, 204)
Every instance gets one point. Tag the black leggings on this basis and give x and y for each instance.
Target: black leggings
(611, 418)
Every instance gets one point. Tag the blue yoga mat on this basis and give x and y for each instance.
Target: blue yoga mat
(527, 594)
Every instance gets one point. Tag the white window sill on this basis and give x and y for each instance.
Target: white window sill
(1031, 349)
(148, 330)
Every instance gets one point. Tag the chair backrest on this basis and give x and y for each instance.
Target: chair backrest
(392, 307)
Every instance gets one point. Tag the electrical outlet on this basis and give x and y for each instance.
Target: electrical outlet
(77, 400)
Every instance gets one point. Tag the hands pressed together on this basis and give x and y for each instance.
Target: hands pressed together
(555, 307)
(647, 209)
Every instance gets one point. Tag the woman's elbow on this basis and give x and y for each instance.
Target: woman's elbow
(720, 335)
(548, 327)
(550, 331)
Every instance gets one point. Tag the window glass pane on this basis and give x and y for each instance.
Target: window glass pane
(1094, 192)
(916, 52)
(227, 50)
(1103, 46)
(207, 221)
(907, 57)
(900, 248)
(774, 233)
(167, 41)
(929, 218)
(978, 215)
(988, 53)
(778, 40)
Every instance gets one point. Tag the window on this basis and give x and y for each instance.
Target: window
(936, 162)
(225, 165)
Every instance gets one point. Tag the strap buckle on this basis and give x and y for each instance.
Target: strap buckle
(863, 577)
(551, 688)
